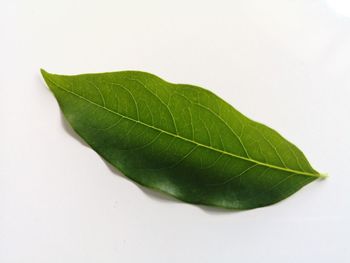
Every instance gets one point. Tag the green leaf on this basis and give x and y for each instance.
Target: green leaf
(181, 139)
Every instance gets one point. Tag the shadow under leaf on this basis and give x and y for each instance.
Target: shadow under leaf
(153, 194)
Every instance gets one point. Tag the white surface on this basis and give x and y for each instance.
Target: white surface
(284, 63)
(340, 6)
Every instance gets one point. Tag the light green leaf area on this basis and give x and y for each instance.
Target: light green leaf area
(181, 139)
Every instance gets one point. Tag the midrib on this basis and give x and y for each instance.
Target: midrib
(186, 139)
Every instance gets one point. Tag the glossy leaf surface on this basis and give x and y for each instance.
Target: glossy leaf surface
(181, 139)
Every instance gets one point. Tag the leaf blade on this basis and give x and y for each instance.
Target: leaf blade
(208, 133)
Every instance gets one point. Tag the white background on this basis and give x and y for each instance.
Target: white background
(282, 62)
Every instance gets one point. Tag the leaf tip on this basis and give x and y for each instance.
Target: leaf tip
(44, 73)
(48, 78)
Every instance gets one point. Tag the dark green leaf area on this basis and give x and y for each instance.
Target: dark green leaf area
(181, 139)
